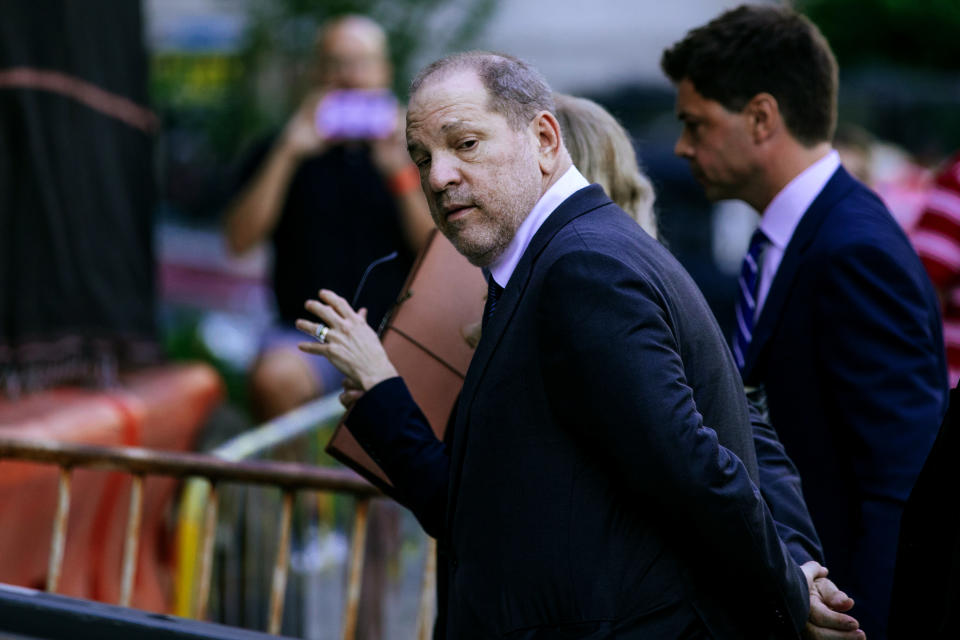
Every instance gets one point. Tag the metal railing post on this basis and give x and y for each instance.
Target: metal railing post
(279, 587)
(132, 541)
(354, 581)
(59, 530)
(428, 590)
(206, 553)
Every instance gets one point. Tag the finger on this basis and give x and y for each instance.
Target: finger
(832, 596)
(349, 384)
(363, 313)
(823, 616)
(316, 348)
(324, 312)
(341, 306)
(813, 570)
(307, 327)
(312, 329)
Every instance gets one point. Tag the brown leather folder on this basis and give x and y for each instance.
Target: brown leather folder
(424, 337)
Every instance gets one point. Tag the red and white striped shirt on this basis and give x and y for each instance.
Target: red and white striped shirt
(937, 240)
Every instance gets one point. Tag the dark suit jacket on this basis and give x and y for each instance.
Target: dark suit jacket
(849, 347)
(583, 493)
(926, 587)
(780, 486)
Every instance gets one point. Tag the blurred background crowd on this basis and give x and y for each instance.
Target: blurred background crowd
(213, 78)
(224, 73)
(127, 132)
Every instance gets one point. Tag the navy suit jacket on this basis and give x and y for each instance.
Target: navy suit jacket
(849, 347)
(599, 480)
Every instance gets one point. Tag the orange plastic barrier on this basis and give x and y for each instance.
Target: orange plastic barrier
(160, 408)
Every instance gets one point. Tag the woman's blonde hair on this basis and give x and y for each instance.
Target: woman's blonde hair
(602, 151)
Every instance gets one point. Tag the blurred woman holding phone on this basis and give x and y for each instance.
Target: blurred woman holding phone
(332, 191)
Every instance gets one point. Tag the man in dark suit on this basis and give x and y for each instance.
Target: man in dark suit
(583, 494)
(836, 318)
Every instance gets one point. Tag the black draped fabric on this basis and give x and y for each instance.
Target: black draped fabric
(76, 194)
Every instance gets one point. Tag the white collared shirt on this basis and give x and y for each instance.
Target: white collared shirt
(569, 183)
(783, 214)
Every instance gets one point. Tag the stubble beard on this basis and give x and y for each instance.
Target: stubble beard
(484, 239)
(480, 240)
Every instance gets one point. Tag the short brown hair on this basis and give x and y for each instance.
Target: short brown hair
(517, 91)
(756, 49)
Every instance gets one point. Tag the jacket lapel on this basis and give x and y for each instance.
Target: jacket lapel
(836, 188)
(578, 204)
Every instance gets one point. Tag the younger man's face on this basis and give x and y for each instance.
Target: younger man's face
(716, 142)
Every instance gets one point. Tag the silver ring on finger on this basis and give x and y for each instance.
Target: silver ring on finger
(321, 333)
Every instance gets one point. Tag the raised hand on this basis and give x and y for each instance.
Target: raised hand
(347, 342)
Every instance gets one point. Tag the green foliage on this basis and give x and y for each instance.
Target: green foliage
(911, 33)
(182, 343)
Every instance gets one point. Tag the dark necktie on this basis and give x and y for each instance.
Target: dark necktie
(747, 297)
(493, 294)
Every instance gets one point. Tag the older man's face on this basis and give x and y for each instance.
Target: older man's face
(480, 176)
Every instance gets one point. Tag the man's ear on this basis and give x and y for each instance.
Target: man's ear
(764, 119)
(546, 129)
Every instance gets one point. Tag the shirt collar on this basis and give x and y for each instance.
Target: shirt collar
(784, 212)
(569, 183)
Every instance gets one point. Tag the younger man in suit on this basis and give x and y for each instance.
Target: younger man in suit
(836, 317)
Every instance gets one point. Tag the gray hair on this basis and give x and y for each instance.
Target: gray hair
(516, 90)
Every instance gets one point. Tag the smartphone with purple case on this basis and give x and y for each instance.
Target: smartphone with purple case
(357, 114)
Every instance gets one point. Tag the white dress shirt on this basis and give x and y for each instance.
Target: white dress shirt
(569, 183)
(783, 214)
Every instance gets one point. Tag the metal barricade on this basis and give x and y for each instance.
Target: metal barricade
(205, 473)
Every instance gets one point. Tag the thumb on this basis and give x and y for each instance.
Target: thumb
(832, 596)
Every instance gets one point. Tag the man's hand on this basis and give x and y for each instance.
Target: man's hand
(348, 342)
(827, 620)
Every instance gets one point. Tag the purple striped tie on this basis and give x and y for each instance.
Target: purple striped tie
(747, 297)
